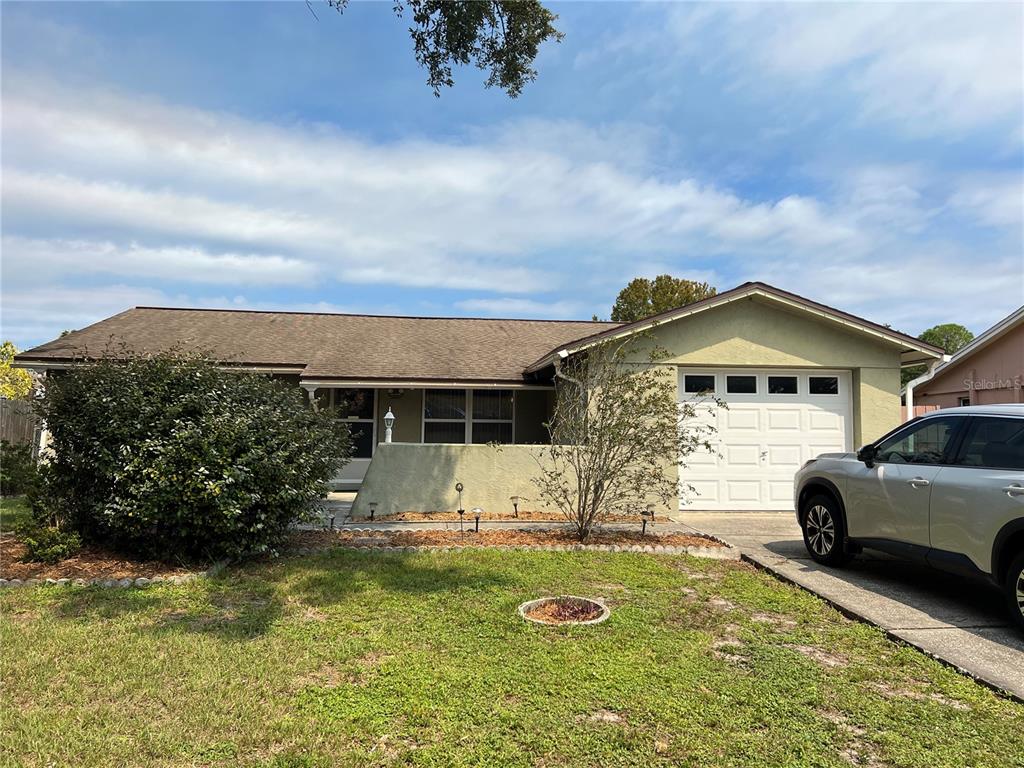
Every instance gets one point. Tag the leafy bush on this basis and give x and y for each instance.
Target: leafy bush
(171, 455)
(48, 544)
(17, 469)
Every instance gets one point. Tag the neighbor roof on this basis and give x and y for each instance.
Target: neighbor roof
(327, 346)
(912, 350)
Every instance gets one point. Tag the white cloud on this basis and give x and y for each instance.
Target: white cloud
(994, 200)
(512, 307)
(923, 67)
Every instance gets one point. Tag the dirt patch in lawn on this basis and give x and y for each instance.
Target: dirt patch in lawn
(89, 563)
(492, 538)
(525, 516)
(565, 610)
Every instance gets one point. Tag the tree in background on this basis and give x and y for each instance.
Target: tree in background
(952, 337)
(619, 437)
(501, 37)
(643, 298)
(15, 383)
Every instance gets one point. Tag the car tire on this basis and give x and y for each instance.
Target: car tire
(1014, 588)
(824, 530)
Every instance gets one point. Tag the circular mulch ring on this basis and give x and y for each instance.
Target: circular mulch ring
(564, 609)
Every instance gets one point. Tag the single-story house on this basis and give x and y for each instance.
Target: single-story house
(988, 371)
(800, 379)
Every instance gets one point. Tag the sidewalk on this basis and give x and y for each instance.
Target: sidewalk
(951, 619)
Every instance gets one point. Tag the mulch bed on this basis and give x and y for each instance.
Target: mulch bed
(525, 516)
(492, 538)
(90, 563)
(563, 611)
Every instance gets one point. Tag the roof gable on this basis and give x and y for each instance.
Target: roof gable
(913, 350)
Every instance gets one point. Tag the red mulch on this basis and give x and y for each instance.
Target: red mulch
(525, 516)
(564, 610)
(90, 563)
(492, 538)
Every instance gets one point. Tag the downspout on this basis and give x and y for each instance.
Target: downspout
(909, 389)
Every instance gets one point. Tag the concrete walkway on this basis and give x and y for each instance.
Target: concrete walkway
(954, 620)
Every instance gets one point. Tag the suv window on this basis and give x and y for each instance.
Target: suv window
(922, 443)
(994, 443)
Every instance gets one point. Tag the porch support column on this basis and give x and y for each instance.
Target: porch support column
(311, 392)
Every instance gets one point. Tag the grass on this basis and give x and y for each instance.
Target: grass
(14, 511)
(359, 659)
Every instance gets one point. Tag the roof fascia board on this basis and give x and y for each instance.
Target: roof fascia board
(726, 299)
(323, 381)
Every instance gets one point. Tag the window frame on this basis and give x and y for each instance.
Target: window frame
(714, 385)
(961, 448)
(757, 384)
(767, 384)
(335, 398)
(839, 384)
(951, 449)
(468, 421)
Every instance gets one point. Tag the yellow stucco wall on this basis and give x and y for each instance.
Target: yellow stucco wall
(406, 477)
(408, 411)
(759, 333)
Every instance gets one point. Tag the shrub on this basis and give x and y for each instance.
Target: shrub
(48, 544)
(171, 455)
(17, 469)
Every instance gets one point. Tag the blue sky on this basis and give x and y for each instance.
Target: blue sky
(251, 155)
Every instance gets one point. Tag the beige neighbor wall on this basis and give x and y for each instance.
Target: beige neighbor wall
(759, 333)
(406, 477)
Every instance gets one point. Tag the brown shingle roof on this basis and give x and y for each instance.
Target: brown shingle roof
(330, 345)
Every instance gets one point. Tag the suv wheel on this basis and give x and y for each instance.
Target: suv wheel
(1015, 590)
(824, 530)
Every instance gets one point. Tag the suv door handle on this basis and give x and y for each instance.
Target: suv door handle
(1014, 490)
(920, 482)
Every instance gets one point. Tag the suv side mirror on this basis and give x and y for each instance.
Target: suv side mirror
(867, 455)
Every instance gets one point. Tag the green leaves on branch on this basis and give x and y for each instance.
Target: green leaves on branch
(171, 455)
(643, 298)
(500, 37)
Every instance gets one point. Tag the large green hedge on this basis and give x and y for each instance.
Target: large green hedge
(171, 455)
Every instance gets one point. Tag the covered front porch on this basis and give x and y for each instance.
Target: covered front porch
(452, 413)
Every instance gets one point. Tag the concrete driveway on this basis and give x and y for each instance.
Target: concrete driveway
(959, 622)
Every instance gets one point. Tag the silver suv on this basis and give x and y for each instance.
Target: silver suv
(945, 489)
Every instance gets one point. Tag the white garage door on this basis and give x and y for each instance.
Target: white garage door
(776, 420)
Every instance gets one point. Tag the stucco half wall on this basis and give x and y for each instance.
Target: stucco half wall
(417, 477)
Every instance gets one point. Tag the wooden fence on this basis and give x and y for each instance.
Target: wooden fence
(17, 422)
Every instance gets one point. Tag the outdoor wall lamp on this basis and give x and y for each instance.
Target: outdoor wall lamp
(389, 422)
(373, 508)
(476, 514)
(515, 506)
(648, 516)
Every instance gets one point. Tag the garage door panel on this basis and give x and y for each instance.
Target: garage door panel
(763, 440)
(784, 419)
(742, 419)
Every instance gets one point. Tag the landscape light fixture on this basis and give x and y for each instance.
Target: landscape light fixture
(373, 508)
(476, 514)
(648, 516)
(458, 489)
(515, 506)
(389, 422)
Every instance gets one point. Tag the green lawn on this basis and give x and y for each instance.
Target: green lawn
(13, 511)
(357, 659)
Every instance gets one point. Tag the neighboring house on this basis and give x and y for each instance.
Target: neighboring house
(800, 379)
(988, 371)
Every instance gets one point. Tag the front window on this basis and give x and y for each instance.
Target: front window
(922, 443)
(444, 416)
(993, 443)
(492, 415)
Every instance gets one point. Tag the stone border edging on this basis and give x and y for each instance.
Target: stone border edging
(725, 552)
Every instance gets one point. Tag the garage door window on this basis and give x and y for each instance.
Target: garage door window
(823, 385)
(698, 383)
(782, 385)
(741, 385)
